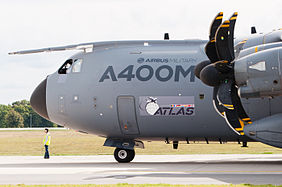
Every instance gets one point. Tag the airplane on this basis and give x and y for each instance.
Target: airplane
(224, 89)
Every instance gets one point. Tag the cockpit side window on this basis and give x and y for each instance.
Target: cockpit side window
(65, 68)
(76, 67)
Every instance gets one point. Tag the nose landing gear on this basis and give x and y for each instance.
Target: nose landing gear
(124, 151)
(124, 155)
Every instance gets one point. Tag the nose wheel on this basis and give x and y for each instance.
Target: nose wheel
(124, 155)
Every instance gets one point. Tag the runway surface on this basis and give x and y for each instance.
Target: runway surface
(154, 169)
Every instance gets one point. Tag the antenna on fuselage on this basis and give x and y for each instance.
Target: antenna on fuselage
(253, 30)
(166, 36)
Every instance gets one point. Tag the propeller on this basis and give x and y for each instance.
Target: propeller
(219, 73)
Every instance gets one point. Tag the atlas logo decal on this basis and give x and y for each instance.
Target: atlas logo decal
(146, 72)
(174, 111)
(159, 106)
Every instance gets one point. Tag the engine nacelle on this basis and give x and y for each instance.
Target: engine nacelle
(259, 74)
(260, 39)
(267, 130)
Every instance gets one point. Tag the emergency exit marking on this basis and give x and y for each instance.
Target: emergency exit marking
(125, 126)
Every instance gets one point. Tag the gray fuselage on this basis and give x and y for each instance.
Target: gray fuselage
(94, 99)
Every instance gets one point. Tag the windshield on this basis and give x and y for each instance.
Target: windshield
(71, 65)
(64, 69)
(76, 67)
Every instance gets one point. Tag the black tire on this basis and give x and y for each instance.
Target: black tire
(124, 155)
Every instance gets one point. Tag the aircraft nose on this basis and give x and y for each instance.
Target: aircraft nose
(38, 100)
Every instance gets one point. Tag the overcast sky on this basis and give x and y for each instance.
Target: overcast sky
(32, 24)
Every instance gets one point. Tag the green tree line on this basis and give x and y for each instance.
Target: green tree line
(20, 114)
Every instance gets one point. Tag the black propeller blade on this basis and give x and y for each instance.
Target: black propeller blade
(238, 106)
(210, 48)
(215, 24)
(236, 124)
(223, 94)
(218, 107)
(232, 20)
(225, 39)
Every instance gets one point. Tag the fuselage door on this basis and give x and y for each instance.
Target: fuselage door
(127, 115)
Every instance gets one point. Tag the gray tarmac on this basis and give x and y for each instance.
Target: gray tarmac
(154, 169)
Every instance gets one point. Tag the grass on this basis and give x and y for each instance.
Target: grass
(69, 142)
(138, 185)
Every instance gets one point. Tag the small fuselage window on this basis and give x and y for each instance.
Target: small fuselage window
(71, 66)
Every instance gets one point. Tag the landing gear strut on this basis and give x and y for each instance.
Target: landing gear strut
(245, 144)
(124, 155)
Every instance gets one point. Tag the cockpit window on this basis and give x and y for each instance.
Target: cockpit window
(65, 68)
(71, 65)
(76, 67)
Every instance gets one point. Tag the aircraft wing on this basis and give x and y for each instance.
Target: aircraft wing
(84, 46)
